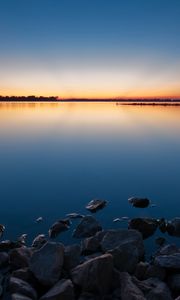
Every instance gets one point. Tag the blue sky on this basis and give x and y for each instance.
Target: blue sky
(82, 48)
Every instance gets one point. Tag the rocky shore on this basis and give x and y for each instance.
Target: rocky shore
(102, 264)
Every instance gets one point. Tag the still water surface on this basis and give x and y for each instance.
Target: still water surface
(55, 157)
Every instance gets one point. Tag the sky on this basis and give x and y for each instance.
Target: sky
(90, 48)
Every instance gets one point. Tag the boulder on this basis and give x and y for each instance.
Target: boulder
(46, 263)
(90, 245)
(146, 226)
(19, 297)
(58, 227)
(155, 271)
(8, 245)
(72, 256)
(95, 205)
(129, 291)
(39, 241)
(139, 202)
(19, 286)
(95, 275)
(4, 259)
(88, 296)
(168, 249)
(20, 257)
(162, 225)
(174, 283)
(171, 261)
(126, 246)
(173, 227)
(87, 227)
(62, 290)
(141, 270)
(24, 274)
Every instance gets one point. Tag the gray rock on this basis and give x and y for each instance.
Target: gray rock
(46, 263)
(147, 226)
(58, 227)
(155, 271)
(174, 282)
(126, 246)
(4, 259)
(95, 275)
(39, 241)
(139, 202)
(62, 290)
(19, 297)
(24, 274)
(20, 257)
(129, 291)
(8, 245)
(173, 227)
(87, 227)
(171, 261)
(168, 249)
(95, 205)
(19, 286)
(72, 256)
(90, 245)
(141, 269)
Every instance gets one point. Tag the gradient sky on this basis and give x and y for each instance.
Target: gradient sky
(83, 48)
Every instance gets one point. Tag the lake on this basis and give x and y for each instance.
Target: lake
(56, 157)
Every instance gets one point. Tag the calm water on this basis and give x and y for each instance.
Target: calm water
(54, 158)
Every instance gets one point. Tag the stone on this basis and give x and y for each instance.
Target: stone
(173, 227)
(162, 225)
(160, 241)
(8, 245)
(46, 263)
(19, 297)
(20, 257)
(139, 202)
(155, 271)
(90, 245)
(58, 227)
(4, 259)
(72, 256)
(62, 290)
(75, 216)
(141, 270)
(129, 291)
(168, 249)
(95, 205)
(19, 286)
(174, 282)
(24, 274)
(171, 261)
(39, 241)
(88, 296)
(87, 227)
(146, 226)
(95, 275)
(126, 246)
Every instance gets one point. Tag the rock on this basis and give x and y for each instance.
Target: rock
(62, 290)
(90, 245)
(2, 228)
(88, 296)
(139, 202)
(87, 227)
(8, 245)
(39, 241)
(141, 270)
(146, 226)
(95, 205)
(162, 225)
(22, 238)
(95, 275)
(126, 246)
(155, 271)
(58, 227)
(20, 257)
(174, 282)
(129, 291)
(39, 220)
(171, 261)
(19, 297)
(160, 241)
(75, 216)
(72, 256)
(24, 274)
(19, 286)
(168, 249)
(4, 259)
(173, 227)
(46, 263)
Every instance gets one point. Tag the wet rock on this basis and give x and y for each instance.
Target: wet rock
(8, 245)
(173, 227)
(75, 216)
(58, 227)
(87, 227)
(39, 220)
(72, 256)
(95, 275)
(19, 286)
(24, 274)
(141, 269)
(90, 245)
(39, 241)
(22, 239)
(19, 297)
(63, 290)
(46, 263)
(146, 226)
(168, 249)
(4, 259)
(95, 205)
(126, 246)
(20, 257)
(155, 271)
(174, 283)
(129, 291)
(139, 202)
(171, 261)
